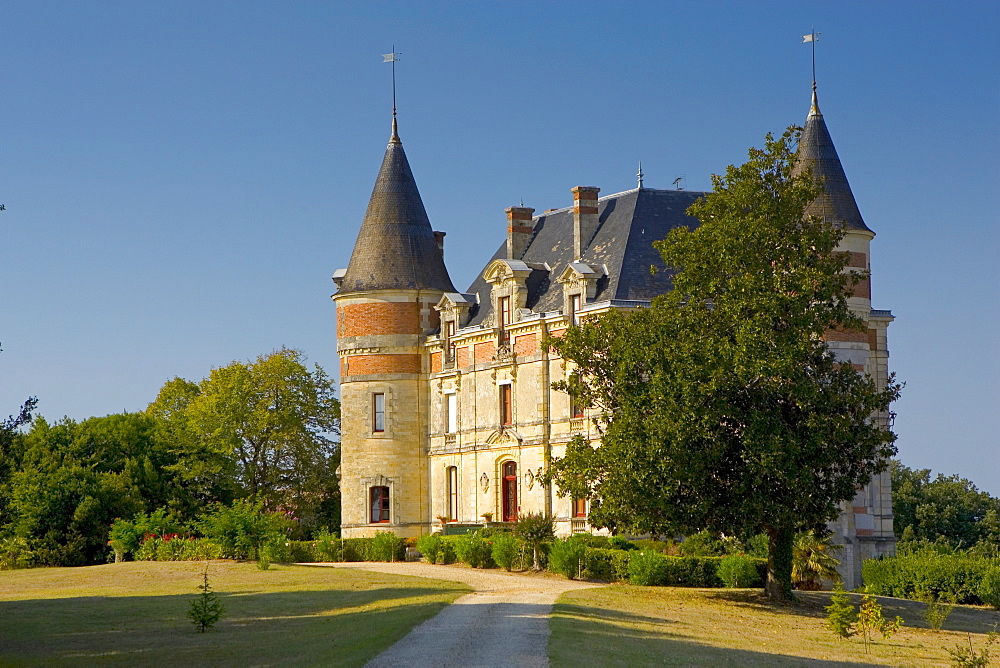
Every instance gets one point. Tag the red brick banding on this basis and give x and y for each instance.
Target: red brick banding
(519, 212)
(520, 229)
(483, 352)
(580, 209)
(863, 289)
(845, 335)
(378, 318)
(526, 344)
(363, 365)
(462, 356)
(435, 362)
(873, 339)
(855, 260)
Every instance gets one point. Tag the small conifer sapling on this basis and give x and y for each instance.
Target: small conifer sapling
(841, 615)
(206, 609)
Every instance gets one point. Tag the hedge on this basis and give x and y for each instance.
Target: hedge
(951, 576)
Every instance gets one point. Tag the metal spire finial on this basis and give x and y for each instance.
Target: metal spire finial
(812, 38)
(639, 175)
(392, 58)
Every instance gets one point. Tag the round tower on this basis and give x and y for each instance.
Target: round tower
(865, 525)
(385, 307)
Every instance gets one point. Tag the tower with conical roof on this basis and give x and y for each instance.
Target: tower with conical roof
(864, 527)
(385, 308)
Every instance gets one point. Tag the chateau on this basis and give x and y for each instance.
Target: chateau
(447, 403)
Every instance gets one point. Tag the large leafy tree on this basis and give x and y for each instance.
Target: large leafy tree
(720, 406)
(264, 430)
(943, 509)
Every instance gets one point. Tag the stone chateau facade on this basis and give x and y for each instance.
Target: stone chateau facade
(447, 400)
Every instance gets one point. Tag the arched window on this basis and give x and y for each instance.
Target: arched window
(453, 493)
(509, 472)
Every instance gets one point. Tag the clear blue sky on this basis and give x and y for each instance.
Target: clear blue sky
(182, 178)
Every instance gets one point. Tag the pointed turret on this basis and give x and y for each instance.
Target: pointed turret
(816, 150)
(396, 248)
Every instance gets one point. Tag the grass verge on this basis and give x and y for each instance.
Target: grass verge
(623, 625)
(136, 613)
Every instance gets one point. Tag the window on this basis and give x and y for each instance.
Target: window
(453, 493)
(509, 470)
(503, 306)
(506, 405)
(575, 408)
(579, 507)
(378, 412)
(574, 309)
(449, 333)
(451, 408)
(379, 505)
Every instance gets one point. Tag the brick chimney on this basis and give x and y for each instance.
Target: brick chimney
(584, 218)
(520, 226)
(439, 240)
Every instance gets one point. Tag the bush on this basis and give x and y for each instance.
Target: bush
(508, 551)
(841, 616)
(474, 550)
(952, 577)
(536, 529)
(738, 570)
(429, 545)
(647, 568)
(15, 553)
(126, 536)
(386, 546)
(620, 543)
(601, 564)
(448, 554)
(243, 529)
(650, 545)
(989, 587)
(620, 564)
(566, 557)
(702, 544)
(302, 551)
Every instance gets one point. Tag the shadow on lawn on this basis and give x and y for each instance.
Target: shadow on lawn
(342, 627)
(596, 636)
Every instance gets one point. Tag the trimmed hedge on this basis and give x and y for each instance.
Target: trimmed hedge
(654, 569)
(913, 576)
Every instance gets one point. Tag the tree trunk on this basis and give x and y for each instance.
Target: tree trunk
(779, 563)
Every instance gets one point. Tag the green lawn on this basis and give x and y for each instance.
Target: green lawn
(136, 613)
(641, 626)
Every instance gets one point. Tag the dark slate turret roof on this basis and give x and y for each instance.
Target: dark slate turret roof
(395, 247)
(629, 223)
(836, 204)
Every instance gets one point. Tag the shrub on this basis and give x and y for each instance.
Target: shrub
(620, 543)
(620, 561)
(702, 544)
(429, 545)
(936, 610)
(386, 546)
(206, 609)
(566, 557)
(474, 550)
(650, 545)
(738, 570)
(989, 586)
(448, 553)
(508, 551)
(201, 549)
(871, 621)
(243, 528)
(840, 614)
(535, 528)
(599, 564)
(954, 577)
(15, 553)
(647, 568)
(302, 551)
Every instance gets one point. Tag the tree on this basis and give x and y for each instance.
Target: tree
(720, 406)
(945, 509)
(262, 430)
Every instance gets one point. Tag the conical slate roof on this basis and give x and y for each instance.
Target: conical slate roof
(395, 247)
(836, 204)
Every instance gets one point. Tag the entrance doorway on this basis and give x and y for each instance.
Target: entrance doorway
(509, 471)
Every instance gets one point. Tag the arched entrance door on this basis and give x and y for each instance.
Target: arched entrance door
(509, 471)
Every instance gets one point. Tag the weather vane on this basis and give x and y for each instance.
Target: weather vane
(392, 58)
(812, 38)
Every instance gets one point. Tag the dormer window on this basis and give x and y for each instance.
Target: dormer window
(574, 308)
(503, 312)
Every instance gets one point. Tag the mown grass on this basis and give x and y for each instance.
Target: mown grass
(136, 613)
(623, 625)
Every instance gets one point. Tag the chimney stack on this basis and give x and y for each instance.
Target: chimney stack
(439, 240)
(520, 227)
(584, 218)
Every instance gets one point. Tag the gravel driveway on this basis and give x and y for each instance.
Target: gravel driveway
(504, 622)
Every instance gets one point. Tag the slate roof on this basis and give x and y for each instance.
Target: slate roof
(836, 205)
(395, 248)
(629, 223)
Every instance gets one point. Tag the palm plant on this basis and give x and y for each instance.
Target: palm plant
(813, 561)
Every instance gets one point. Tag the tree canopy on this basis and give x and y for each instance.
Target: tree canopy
(720, 406)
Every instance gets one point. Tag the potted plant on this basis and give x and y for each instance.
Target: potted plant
(488, 517)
